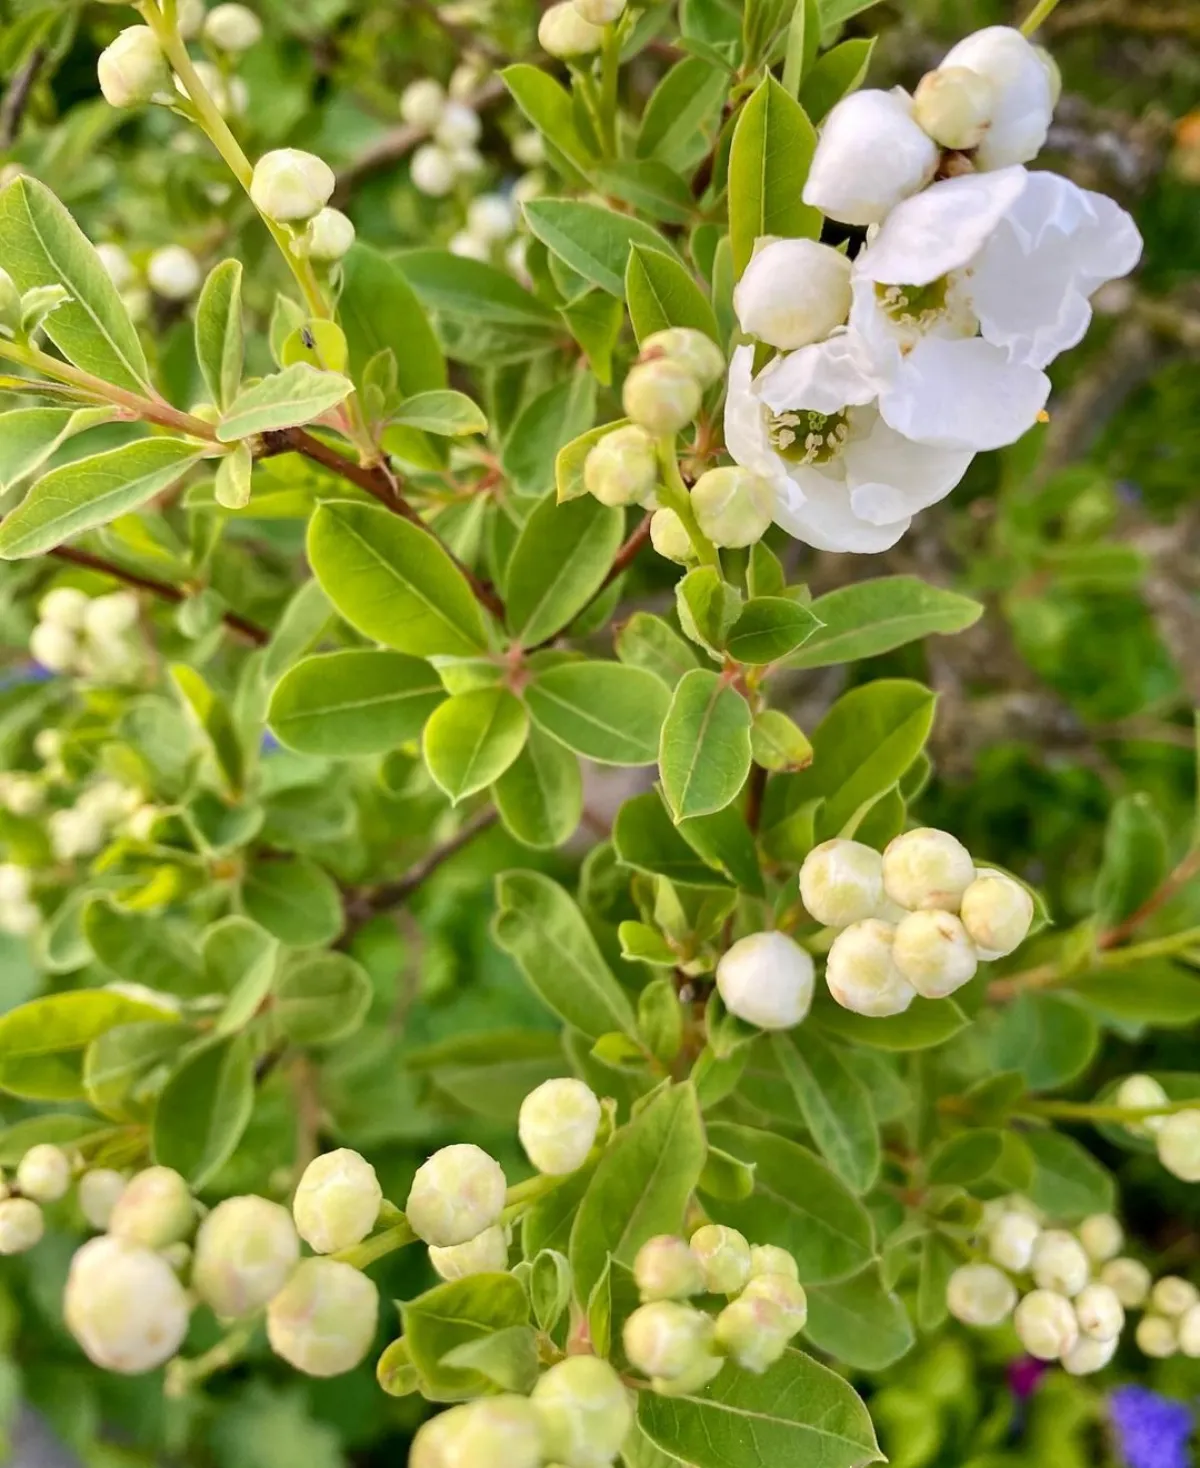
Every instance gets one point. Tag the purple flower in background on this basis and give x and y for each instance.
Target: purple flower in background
(1152, 1431)
(1024, 1375)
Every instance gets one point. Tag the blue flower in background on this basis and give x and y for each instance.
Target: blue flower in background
(1152, 1431)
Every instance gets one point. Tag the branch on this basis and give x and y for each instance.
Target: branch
(16, 99)
(628, 553)
(367, 904)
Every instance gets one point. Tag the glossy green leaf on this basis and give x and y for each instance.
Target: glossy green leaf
(294, 900)
(1048, 1038)
(141, 948)
(593, 240)
(471, 739)
(42, 1043)
(924, 1024)
(683, 114)
(859, 1322)
(211, 716)
(1135, 859)
(545, 425)
(661, 293)
(840, 71)
(453, 1315)
(1067, 1180)
(836, 1106)
(480, 313)
(125, 1067)
(768, 628)
(558, 564)
(298, 394)
(450, 414)
(30, 436)
(548, 106)
(1157, 993)
(204, 1109)
(490, 1073)
(646, 641)
(648, 840)
(320, 998)
(220, 338)
(606, 712)
(867, 618)
(540, 795)
(378, 308)
(769, 159)
(705, 753)
(778, 743)
(356, 702)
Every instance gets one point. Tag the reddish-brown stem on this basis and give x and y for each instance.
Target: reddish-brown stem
(373, 900)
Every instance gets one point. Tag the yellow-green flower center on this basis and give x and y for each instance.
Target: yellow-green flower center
(804, 437)
(915, 305)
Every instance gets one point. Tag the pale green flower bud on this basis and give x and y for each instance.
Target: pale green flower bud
(189, 18)
(1087, 1356)
(124, 1306)
(1178, 1144)
(557, 1125)
(622, 469)
(232, 28)
(487, 1253)
(108, 618)
(691, 1382)
(766, 979)
(931, 949)
(99, 1191)
(600, 12)
(733, 506)
(661, 396)
(1011, 1241)
(456, 1195)
(861, 972)
(1129, 1280)
(330, 235)
(178, 1256)
(1102, 1237)
(173, 273)
(432, 171)
(954, 105)
(1099, 1312)
(1136, 1093)
(666, 1269)
(793, 293)
(290, 185)
(724, 1257)
(926, 868)
(1173, 1295)
(693, 350)
(669, 537)
(1045, 1324)
(65, 607)
(1189, 1331)
(53, 646)
(564, 33)
(981, 1295)
(771, 1259)
(21, 1225)
(495, 1432)
(841, 882)
(666, 1339)
(784, 1292)
(245, 1250)
(155, 1209)
(752, 1332)
(133, 69)
(1059, 1262)
(585, 1412)
(490, 217)
(997, 914)
(44, 1173)
(422, 103)
(1157, 1336)
(323, 1320)
(14, 880)
(337, 1202)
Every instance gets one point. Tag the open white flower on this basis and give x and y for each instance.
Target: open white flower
(843, 479)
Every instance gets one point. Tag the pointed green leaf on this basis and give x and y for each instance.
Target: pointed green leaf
(705, 752)
(450, 414)
(204, 1109)
(772, 148)
(298, 394)
(360, 701)
(873, 617)
(540, 795)
(606, 712)
(835, 1104)
(558, 564)
(471, 739)
(662, 293)
(592, 239)
(219, 333)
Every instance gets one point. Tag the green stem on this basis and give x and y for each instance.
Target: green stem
(184, 1374)
(591, 101)
(1040, 12)
(673, 493)
(399, 1236)
(610, 69)
(1090, 1111)
(1152, 948)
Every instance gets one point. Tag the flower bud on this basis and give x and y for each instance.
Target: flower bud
(870, 156)
(189, 18)
(1045, 1324)
(245, 1250)
(1129, 1279)
(44, 1173)
(1059, 1262)
(458, 126)
(486, 1253)
(666, 1269)
(1022, 94)
(490, 217)
(767, 980)
(432, 171)
(467, 247)
(1136, 1093)
(1156, 1336)
(793, 293)
(584, 1410)
(290, 185)
(622, 468)
(133, 69)
(661, 396)
(1178, 1144)
(155, 1209)
(467, 162)
(927, 869)
(494, 1432)
(124, 1305)
(600, 12)
(1099, 1312)
(422, 103)
(455, 1195)
(1189, 1331)
(1101, 1236)
(981, 1295)
(841, 882)
(784, 1291)
(861, 973)
(733, 506)
(1011, 1241)
(666, 1339)
(173, 273)
(64, 607)
(564, 33)
(99, 1191)
(116, 265)
(330, 235)
(752, 1333)
(688, 348)
(557, 1125)
(323, 1320)
(1087, 1356)
(107, 618)
(954, 105)
(53, 647)
(232, 28)
(14, 881)
(997, 913)
(669, 537)
(337, 1201)
(21, 1225)
(529, 148)
(931, 949)
(1173, 1295)
(724, 1257)
(771, 1259)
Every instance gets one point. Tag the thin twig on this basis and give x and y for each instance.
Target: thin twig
(627, 553)
(373, 900)
(16, 98)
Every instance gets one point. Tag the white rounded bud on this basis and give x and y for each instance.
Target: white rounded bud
(490, 217)
(1087, 1356)
(767, 980)
(99, 1191)
(21, 919)
(564, 33)
(733, 506)
(53, 646)
(1156, 1336)
(926, 868)
(771, 1259)
(1173, 1295)
(1045, 1324)
(231, 27)
(23, 795)
(600, 12)
(1178, 1144)
(467, 162)
(116, 264)
(793, 292)
(455, 1195)
(189, 18)
(14, 881)
(1137, 1093)
(245, 1250)
(1100, 1314)
(724, 1257)
(494, 1432)
(861, 972)
(997, 913)
(688, 348)
(669, 537)
(290, 185)
(667, 1339)
(337, 1201)
(133, 69)
(1129, 1279)
(1189, 1331)
(954, 105)
(486, 1253)
(432, 171)
(173, 273)
(666, 1269)
(870, 156)
(752, 1332)
(622, 468)
(323, 1320)
(1011, 1241)
(458, 126)
(107, 618)
(1059, 1262)
(661, 396)
(44, 1173)
(557, 1125)
(21, 1225)
(784, 1291)
(1022, 94)
(422, 103)
(980, 1295)
(841, 882)
(64, 606)
(584, 1410)
(469, 247)
(933, 952)
(330, 235)
(1101, 1236)
(155, 1209)
(124, 1305)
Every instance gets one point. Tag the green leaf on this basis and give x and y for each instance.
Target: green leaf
(321, 998)
(606, 712)
(59, 1129)
(646, 641)
(451, 414)
(540, 795)
(378, 309)
(769, 159)
(840, 71)
(29, 436)
(769, 628)
(219, 334)
(539, 926)
(724, 839)
(1068, 1182)
(240, 959)
(924, 1024)
(1135, 859)
(558, 564)
(661, 293)
(544, 426)
(204, 1109)
(873, 617)
(212, 718)
(453, 1315)
(859, 1322)
(548, 106)
(776, 743)
(705, 753)
(143, 949)
(835, 1104)
(298, 394)
(647, 840)
(44, 246)
(708, 607)
(490, 1073)
(641, 1187)
(92, 491)
(1157, 993)
(472, 738)
(124, 1068)
(836, 12)
(357, 702)
(595, 320)
(593, 240)
(965, 1158)
(294, 900)
(481, 314)
(392, 581)
(570, 459)
(650, 186)
(937, 1263)
(1049, 1039)
(797, 1412)
(508, 1358)
(683, 113)
(42, 1043)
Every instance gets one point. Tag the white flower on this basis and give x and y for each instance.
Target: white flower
(458, 126)
(934, 953)
(584, 1410)
(724, 1257)
(1139, 1093)
(116, 264)
(155, 1209)
(669, 537)
(767, 980)
(1178, 1143)
(871, 154)
(65, 607)
(753, 1332)
(1129, 1280)
(124, 1305)
(927, 869)
(486, 1253)
(600, 12)
(133, 69)
(1088, 1355)
(563, 32)
(21, 1225)
(1099, 1312)
(14, 882)
(661, 395)
(1011, 1241)
(622, 468)
(490, 217)
(53, 646)
(980, 1294)
(1023, 94)
(955, 105)
(732, 506)
(793, 293)
(323, 1320)
(422, 103)
(1059, 1262)
(861, 972)
(44, 1173)
(997, 913)
(666, 1339)
(666, 1269)
(99, 1190)
(1189, 1332)
(245, 1250)
(1101, 1236)
(330, 235)
(529, 148)
(1156, 1336)
(108, 618)
(843, 480)
(291, 185)
(468, 246)
(173, 273)
(1173, 1295)
(455, 1195)
(232, 27)
(337, 1202)
(432, 171)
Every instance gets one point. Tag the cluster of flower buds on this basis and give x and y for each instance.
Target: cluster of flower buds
(915, 920)
(491, 223)
(1176, 1136)
(451, 152)
(81, 829)
(88, 636)
(293, 188)
(19, 913)
(43, 1175)
(575, 28)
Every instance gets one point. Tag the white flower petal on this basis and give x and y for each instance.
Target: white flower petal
(819, 512)
(890, 475)
(1024, 94)
(822, 378)
(871, 154)
(746, 435)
